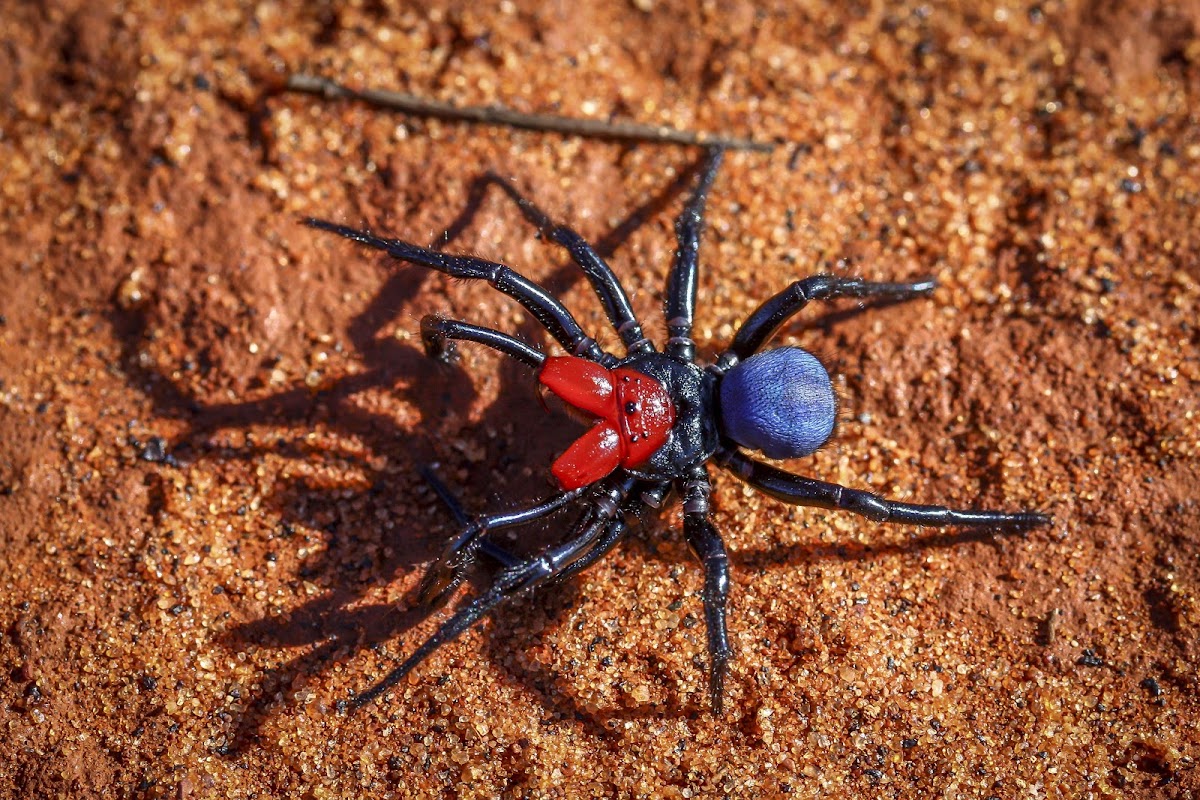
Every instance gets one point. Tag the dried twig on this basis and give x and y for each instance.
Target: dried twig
(498, 115)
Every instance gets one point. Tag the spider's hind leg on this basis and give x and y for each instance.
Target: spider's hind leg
(774, 312)
(803, 491)
(706, 543)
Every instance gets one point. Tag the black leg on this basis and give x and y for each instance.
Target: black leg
(809, 492)
(681, 284)
(599, 274)
(612, 535)
(552, 314)
(492, 551)
(447, 572)
(706, 543)
(604, 543)
(772, 314)
(606, 501)
(436, 333)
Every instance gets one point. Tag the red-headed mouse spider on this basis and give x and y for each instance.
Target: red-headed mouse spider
(659, 420)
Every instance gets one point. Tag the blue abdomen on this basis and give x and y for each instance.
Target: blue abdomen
(780, 402)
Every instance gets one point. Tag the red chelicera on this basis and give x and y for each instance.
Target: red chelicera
(633, 417)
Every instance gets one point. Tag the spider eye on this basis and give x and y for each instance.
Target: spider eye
(780, 402)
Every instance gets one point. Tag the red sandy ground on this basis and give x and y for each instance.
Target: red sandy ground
(210, 416)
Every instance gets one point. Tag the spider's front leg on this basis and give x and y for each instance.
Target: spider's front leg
(608, 540)
(547, 310)
(438, 335)
(604, 282)
(706, 543)
(449, 569)
(600, 517)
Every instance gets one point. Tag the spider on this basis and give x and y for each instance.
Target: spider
(659, 420)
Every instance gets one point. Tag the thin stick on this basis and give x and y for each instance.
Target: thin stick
(497, 115)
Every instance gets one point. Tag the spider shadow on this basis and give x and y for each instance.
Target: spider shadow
(335, 623)
(335, 620)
